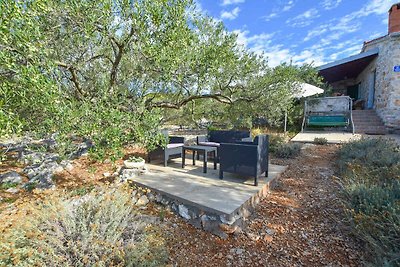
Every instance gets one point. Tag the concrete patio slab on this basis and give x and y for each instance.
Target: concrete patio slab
(205, 191)
(332, 137)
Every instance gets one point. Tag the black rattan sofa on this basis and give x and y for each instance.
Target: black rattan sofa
(245, 158)
(215, 138)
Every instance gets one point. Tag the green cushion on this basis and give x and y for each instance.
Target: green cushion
(327, 121)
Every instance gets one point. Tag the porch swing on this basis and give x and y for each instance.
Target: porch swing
(328, 112)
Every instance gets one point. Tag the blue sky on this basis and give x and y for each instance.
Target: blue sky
(303, 31)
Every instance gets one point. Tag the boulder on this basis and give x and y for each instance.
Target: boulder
(184, 212)
(12, 190)
(143, 201)
(11, 177)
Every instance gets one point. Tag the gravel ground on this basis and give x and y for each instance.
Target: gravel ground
(299, 224)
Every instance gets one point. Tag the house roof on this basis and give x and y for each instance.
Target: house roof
(347, 68)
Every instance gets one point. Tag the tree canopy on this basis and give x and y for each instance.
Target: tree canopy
(108, 69)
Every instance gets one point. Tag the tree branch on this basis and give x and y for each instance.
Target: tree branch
(74, 78)
(218, 97)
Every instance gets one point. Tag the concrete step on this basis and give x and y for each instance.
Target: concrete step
(371, 130)
(368, 122)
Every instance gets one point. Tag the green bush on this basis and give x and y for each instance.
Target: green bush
(370, 171)
(275, 141)
(320, 141)
(288, 150)
(99, 229)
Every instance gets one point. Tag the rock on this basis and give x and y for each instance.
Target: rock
(151, 197)
(107, 174)
(42, 180)
(230, 257)
(12, 190)
(184, 212)
(82, 149)
(212, 226)
(228, 228)
(128, 174)
(143, 201)
(220, 255)
(119, 169)
(270, 232)
(11, 177)
(66, 164)
(253, 237)
(239, 251)
(268, 238)
(228, 220)
(134, 200)
(32, 158)
(107, 161)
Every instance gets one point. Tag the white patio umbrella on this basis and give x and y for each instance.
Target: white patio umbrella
(305, 90)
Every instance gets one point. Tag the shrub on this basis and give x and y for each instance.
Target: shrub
(289, 150)
(275, 141)
(370, 171)
(256, 131)
(320, 141)
(99, 229)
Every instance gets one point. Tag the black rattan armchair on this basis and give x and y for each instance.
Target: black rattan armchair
(246, 158)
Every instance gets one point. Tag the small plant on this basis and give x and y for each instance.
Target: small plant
(8, 185)
(30, 186)
(162, 214)
(81, 191)
(135, 159)
(8, 200)
(320, 141)
(289, 150)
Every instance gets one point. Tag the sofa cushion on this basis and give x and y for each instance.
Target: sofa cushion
(209, 144)
(175, 145)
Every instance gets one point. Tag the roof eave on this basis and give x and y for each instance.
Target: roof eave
(371, 52)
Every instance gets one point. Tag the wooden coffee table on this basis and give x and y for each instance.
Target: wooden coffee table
(205, 150)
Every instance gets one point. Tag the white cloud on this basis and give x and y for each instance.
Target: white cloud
(263, 45)
(270, 16)
(308, 57)
(288, 6)
(231, 2)
(231, 15)
(303, 19)
(330, 4)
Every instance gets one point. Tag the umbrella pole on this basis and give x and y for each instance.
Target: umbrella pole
(285, 124)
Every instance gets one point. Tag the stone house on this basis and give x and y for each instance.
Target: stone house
(372, 79)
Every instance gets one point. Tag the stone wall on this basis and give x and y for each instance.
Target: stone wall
(364, 80)
(387, 85)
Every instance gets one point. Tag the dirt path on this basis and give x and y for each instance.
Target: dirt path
(299, 224)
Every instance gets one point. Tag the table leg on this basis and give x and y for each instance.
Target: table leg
(205, 162)
(215, 160)
(183, 157)
(194, 155)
